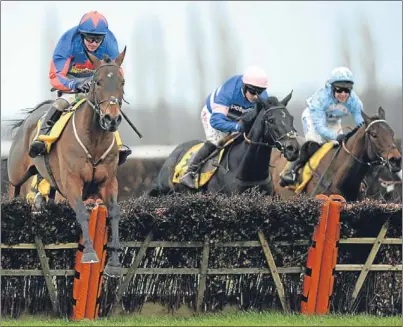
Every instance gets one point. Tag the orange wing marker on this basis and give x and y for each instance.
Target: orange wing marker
(88, 277)
(312, 272)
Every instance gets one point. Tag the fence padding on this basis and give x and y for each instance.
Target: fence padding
(192, 218)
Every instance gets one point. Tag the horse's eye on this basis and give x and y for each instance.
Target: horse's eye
(98, 83)
(271, 121)
(374, 135)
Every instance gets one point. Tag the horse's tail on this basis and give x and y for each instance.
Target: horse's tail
(17, 123)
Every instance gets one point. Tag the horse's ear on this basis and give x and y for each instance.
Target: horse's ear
(287, 99)
(381, 113)
(120, 58)
(94, 60)
(367, 119)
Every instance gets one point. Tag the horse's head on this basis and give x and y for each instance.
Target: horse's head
(274, 126)
(380, 143)
(106, 92)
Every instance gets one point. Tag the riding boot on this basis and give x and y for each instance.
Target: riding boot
(124, 152)
(188, 178)
(289, 177)
(38, 147)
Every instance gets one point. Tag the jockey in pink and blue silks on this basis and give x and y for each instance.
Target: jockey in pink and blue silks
(222, 110)
(71, 70)
(321, 119)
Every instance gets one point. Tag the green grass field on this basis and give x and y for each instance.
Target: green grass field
(220, 319)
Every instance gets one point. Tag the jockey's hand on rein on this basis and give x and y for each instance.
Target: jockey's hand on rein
(340, 138)
(83, 87)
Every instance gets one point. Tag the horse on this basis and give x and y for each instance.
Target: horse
(244, 162)
(344, 167)
(82, 163)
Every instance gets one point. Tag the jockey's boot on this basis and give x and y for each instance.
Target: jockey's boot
(289, 176)
(38, 147)
(124, 150)
(188, 178)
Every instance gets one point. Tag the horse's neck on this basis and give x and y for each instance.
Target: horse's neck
(90, 132)
(352, 172)
(254, 159)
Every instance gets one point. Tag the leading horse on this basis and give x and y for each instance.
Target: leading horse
(245, 161)
(82, 163)
(344, 167)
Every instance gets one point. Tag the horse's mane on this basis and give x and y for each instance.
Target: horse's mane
(271, 101)
(106, 59)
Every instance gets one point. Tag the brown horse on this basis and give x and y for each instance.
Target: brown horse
(344, 167)
(83, 161)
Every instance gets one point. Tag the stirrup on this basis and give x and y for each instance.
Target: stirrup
(188, 179)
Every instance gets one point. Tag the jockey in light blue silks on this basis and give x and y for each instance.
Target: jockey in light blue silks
(222, 110)
(321, 119)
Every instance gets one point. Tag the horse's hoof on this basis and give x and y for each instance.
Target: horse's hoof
(113, 271)
(89, 257)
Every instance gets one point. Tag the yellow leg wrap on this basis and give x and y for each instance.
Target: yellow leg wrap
(118, 140)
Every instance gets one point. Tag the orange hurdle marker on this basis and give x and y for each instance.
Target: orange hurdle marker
(88, 277)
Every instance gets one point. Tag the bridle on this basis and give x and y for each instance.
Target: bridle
(277, 144)
(96, 105)
(379, 161)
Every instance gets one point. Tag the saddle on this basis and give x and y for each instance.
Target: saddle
(207, 168)
(58, 127)
(307, 170)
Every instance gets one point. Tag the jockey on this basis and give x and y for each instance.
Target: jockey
(321, 119)
(70, 70)
(222, 110)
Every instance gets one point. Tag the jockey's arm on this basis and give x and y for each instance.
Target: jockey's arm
(220, 121)
(220, 106)
(60, 63)
(113, 48)
(318, 115)
(357, 109)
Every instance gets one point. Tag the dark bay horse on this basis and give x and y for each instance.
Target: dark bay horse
(244, 163)
(344, 167)
(83, 161)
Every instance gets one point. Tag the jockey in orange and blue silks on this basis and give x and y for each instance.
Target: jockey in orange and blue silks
(222, 110)
(71, 70)
(70, 65)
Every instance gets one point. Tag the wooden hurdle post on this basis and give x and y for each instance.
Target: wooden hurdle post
(88, 277)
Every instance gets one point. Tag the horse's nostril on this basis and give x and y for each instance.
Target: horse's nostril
(396, 161)
(289, 148)
(107, 117)
(119, 118)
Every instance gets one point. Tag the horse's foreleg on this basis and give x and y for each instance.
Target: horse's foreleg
(109, 194)
(74, 196)
(13, 191)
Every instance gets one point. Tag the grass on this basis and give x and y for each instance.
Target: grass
(218, 319)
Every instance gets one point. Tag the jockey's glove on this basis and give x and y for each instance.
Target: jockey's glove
(83, 87)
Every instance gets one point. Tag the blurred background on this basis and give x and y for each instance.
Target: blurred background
(178, 52)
